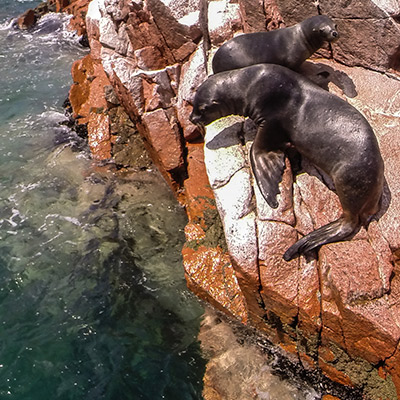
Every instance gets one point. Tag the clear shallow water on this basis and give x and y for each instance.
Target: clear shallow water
(93, 303)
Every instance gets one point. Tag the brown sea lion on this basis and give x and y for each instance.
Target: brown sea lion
(288, 109)
(289, 47)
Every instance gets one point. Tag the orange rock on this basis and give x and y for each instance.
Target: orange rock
(393, 368)
(194, 232)
(333, 374)
(326, 354)
(199, 195)
(87, 92)
(330, 397)
(208, 270)
(78, 10)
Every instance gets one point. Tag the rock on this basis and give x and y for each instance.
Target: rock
(27, 19)
(149, 58)
(223, 20)
(368, 37)
(163, 136)
(87, 92)
(99, 136)
(61, 4)
(191, 76)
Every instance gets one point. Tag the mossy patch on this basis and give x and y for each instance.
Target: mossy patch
(212, 226)
(364, 375)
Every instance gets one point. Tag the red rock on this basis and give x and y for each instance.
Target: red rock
(350, 294)
(143, 33)
(150, 57)
(351, 49)
(322, 204)
(163, 135)
(191, 132)
(272, 14)
(157, 91)
(279, 279)
(309, 303)
(61, 4)
(253, 15)
(175, 34)
(351, 269)
(27, 19)
(182, 53)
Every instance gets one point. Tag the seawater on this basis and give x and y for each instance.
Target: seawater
(93, 302)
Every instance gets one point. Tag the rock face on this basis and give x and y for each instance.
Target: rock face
(338, 313)
(78, 10)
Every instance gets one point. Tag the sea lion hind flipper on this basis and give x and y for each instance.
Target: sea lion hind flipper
(268, 167)
(335, 231)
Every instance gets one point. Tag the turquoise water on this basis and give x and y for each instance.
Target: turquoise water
(93, 302)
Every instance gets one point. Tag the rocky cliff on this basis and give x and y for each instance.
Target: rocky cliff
(338, 312)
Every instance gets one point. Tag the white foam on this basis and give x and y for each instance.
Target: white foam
(6, 25)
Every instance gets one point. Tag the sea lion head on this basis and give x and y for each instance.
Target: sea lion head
(206, 103)
(321, 27)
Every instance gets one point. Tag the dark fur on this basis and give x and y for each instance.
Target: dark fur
(289, 47)
(332, 134)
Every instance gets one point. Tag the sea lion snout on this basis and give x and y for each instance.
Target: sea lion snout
(195, 118)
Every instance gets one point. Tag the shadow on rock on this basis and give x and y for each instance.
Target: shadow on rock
(227, 137)
(322, 74)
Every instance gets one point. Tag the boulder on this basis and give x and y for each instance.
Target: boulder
(27, 19)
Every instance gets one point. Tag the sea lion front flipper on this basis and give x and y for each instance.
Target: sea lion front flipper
(268, 167)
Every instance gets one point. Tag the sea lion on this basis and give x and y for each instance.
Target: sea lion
(289, 110)
(289, 47)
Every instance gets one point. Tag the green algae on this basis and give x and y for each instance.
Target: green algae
(212, 226)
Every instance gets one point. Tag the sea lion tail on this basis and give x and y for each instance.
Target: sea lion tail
(335, 231)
